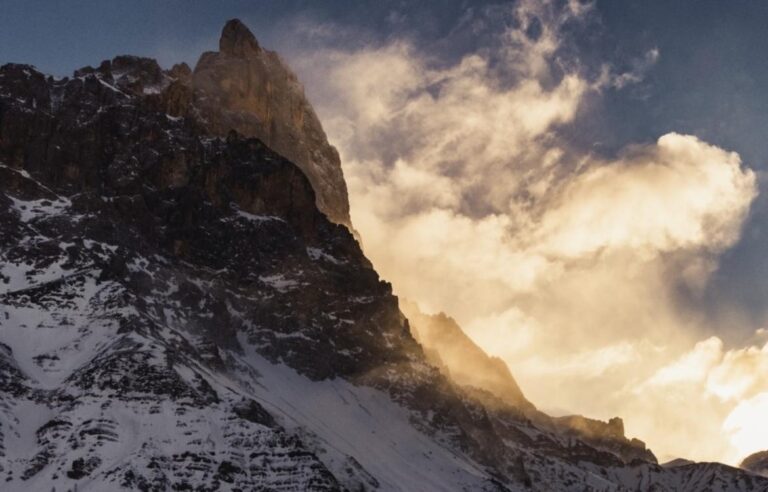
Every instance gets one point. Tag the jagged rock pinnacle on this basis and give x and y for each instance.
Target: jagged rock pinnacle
(247, 88)
(237, 39)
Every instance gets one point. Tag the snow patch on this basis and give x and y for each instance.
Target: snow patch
(279, 282)
(317, 254)
(30, 210)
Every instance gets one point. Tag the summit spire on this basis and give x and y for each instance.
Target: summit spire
(237, 39)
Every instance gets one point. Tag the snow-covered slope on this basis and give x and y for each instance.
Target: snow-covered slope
(105, 409)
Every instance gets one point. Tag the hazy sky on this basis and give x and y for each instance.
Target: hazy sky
(578, 183)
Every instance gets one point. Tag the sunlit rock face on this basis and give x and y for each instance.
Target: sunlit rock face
(608, 436)
(250, 89)
(449, 348)
(244, 88)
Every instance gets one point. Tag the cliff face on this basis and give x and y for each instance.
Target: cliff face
(249, 89)
(756, 463)
(448, 347)
(176, 313)
(244, 88)
(158, 183)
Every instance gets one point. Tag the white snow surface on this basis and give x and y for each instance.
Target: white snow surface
(364, 423)
(318, 254)
(357, 432)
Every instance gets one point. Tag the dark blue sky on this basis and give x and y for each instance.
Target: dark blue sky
(710, 79)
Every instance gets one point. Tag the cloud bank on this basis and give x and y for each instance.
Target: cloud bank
(567, 265)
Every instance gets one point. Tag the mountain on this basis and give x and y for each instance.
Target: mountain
(449, 348)
(756, 463)
(177, 312)
(246, 88)
(251, 90)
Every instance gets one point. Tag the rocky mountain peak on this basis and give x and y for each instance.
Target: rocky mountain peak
(756, 463)
(251, 90)
(246, 89)
(237, 39)
(450, 349)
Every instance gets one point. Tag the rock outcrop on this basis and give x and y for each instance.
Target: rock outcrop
(608, 436)
(249, 89)
(242, 88)
(756, 463)
(678, 462)
(448, 347)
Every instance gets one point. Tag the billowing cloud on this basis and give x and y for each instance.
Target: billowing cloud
(746, 425)
(679, 194)
(566, 264)
(730, 386)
